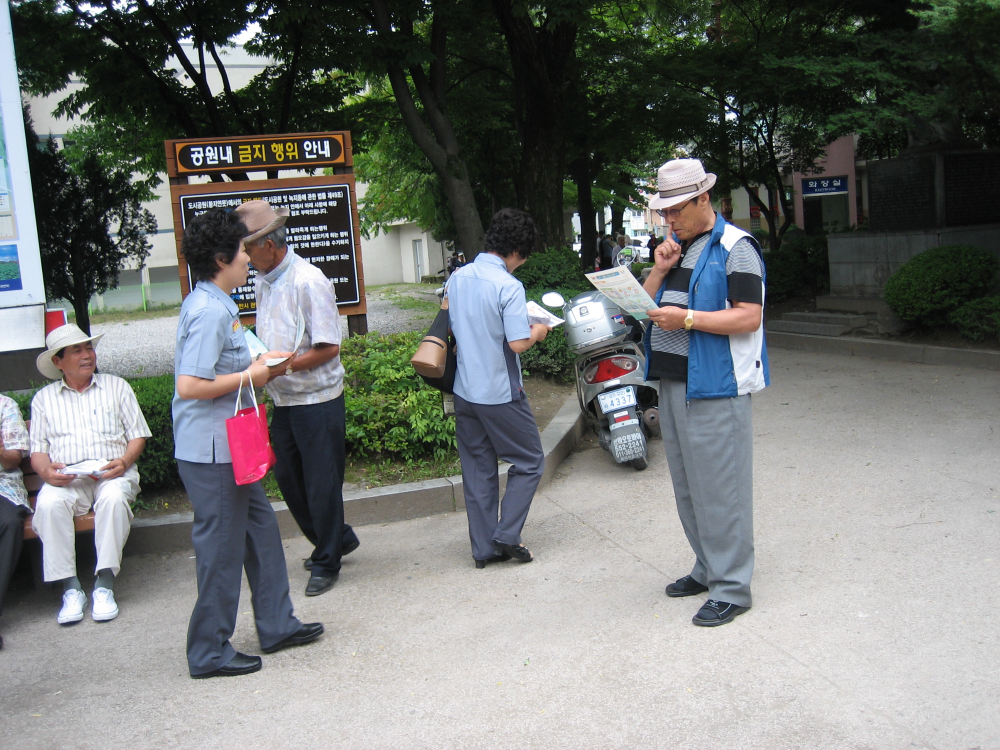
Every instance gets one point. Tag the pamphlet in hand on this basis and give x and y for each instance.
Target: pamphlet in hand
(257, 346)
(89, 468)
(622, 288)
(538, 314)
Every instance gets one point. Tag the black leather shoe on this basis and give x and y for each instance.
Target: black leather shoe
(305, 634)
(518, 551)
(344, 552)
(714, 612)
(685, 586)
(239, 664)
(502, 557)
(320, 583)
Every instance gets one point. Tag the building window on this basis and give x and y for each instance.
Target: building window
(754, 223)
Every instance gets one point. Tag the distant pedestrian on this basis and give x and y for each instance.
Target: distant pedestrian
(606, 251)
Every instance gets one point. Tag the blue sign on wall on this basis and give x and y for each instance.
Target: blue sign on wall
(824, 185)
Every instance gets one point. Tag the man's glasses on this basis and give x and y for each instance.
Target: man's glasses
(673, 213)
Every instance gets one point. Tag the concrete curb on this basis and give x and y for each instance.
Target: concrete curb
(857, 347)
(400, 502)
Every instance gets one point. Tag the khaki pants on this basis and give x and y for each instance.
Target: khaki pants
(56, 507)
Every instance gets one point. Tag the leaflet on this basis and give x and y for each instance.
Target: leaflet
(538, 314)
(257, 346)
(622, 288)
(91, 467)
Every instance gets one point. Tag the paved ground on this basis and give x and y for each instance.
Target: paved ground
(874, 625)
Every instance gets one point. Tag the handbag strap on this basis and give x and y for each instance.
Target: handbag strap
(239, 395)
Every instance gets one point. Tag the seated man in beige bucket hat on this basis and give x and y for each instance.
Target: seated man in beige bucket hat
(83, 417)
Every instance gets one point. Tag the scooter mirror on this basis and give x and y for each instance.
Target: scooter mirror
(553, 299)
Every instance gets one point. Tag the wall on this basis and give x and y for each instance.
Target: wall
(861, 262)
(839, 160)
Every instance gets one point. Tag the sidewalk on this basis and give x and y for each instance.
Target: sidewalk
(874, 623)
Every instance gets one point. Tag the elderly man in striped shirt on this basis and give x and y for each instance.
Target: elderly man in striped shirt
(87, 431)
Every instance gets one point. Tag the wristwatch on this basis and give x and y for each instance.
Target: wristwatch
(689, 320)
(288, 370)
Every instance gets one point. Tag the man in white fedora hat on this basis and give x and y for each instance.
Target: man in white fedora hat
(706, 347)
(87, 431)
(309, 421)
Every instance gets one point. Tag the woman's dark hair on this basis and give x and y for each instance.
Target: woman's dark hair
(214, 235)
(511, 231)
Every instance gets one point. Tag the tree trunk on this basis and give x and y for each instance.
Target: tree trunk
(81, 300)
(438, 141)
(539, 56)
(617, 221)
(585, 207)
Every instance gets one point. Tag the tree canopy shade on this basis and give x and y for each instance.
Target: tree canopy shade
(91, 224)
(145, 66)
(465, 106)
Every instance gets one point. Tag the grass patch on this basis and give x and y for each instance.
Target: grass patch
(377, 472)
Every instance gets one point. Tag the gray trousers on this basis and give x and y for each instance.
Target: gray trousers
(486, 432)
(709, 445)
(234, 529)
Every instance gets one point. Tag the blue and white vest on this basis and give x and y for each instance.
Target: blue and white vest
(720, 366)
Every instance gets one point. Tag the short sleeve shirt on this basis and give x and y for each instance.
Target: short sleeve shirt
(294, 289)
(487, 309)
(210, 342)
(96, 423)
(744, 272)
(15, 438)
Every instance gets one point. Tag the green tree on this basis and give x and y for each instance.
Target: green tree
(91, 224)
(146, 69)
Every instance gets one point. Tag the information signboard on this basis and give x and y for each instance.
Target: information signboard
(260, 153)
(22, 292)
(824, 185)
(319, 230)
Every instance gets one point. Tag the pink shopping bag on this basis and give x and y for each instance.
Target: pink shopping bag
(249, 443)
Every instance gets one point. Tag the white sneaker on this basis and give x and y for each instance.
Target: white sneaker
(105, 606)
(74, 601)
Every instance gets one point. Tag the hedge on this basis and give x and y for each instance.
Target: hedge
(391, 412)
(979, 319)
(934, 284)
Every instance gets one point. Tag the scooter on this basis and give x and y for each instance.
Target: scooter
(620, 406)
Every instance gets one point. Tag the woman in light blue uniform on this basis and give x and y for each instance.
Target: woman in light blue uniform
(234, 526)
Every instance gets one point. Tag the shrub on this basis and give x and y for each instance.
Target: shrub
(390, 409)
(979, 319)
(555, 268)
(801, 265)
(157, 467)
(936, 283)
(638, 268)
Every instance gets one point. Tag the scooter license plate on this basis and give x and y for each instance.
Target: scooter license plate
(615, 400)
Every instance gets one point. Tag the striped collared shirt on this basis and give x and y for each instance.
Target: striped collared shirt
(98, 423)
